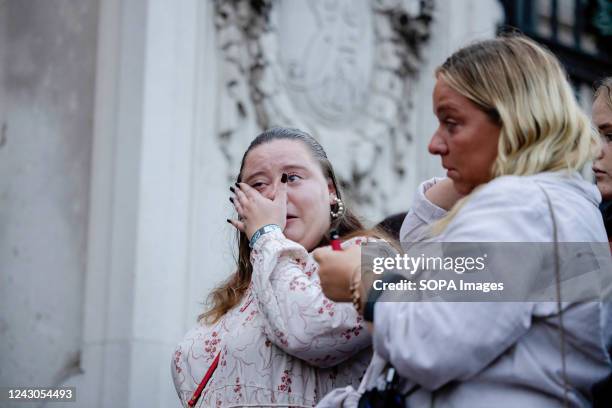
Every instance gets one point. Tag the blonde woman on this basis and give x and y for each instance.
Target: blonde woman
(602, 167)
(270, 338)
(510, 133)
(602, 119)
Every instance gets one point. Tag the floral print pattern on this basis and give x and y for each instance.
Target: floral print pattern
(285, 344)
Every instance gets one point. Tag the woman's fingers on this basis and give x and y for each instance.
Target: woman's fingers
(280, 195)
(336, 271)
(248, 191)
(257, 209)
(240, 195)
(320, 254)
(239, 209)
(238, 224)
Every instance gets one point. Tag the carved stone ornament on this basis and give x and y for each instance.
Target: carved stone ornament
(341, 70)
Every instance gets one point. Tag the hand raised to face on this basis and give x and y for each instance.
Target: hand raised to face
(255, 210)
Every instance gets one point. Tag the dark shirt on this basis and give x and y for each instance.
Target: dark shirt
(606, 212)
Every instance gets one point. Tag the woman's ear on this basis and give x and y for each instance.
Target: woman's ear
(332, 191)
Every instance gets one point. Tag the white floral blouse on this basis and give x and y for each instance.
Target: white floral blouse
(285, 344)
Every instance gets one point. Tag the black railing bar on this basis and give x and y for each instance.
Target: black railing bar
(578, 23)
(554, 19)
(585, 67)
(529, 15)
(520, 14)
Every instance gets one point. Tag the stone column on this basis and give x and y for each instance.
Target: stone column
(147, 240)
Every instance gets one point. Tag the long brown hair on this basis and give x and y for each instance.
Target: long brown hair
(231, 291)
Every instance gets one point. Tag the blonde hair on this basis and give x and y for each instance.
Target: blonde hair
(604, 85)
(523, 87)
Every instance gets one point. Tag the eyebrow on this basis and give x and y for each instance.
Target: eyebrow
(295, 167)
(286, 168)
(256, 174)
(445, 107)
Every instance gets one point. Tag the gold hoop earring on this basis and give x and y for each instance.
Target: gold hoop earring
(340, 209)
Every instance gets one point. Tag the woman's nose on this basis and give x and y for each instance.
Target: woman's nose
(270, 191)
(437, 145)
(601, 149)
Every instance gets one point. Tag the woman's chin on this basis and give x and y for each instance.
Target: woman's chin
(605, 187)
(296, 234)
(465, 188)
(461, 188)
(291, 232)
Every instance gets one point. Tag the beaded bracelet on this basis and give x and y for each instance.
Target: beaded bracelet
(354, 288)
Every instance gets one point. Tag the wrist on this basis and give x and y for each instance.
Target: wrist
(363, 296)
(262, 231)
(356, 291)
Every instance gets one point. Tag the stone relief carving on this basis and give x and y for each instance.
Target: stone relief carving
(327, 63)
(340, 69)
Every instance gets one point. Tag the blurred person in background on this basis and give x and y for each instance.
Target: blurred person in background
(602, 119)
(602, 168)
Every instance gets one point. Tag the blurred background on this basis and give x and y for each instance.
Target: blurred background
(123, 122)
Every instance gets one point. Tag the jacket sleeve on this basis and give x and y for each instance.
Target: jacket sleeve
(421, 216)
(434, 343)
(298, 317)
(183, 385)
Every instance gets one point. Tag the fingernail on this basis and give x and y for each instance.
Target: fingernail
(284, 178)
(228, 221)
(237, 185)
(232, 189)
(232, 200)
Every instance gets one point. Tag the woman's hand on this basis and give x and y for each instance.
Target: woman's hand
(337, 269)
(443, 194)
(255, 210)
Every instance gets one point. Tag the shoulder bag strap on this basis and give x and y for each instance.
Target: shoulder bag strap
(196, 395)
(559, 306)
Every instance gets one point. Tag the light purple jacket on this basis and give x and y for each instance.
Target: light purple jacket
(496, 354)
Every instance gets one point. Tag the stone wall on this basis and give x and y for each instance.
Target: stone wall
(47, 72)
(142, 106)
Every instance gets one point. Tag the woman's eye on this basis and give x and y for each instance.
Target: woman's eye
(257, 185)
(607, 137)
(293, 177)
(448, 124)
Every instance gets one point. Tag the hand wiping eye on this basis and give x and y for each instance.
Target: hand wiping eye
(256, 211)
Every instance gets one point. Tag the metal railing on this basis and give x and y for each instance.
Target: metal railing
(579, 32)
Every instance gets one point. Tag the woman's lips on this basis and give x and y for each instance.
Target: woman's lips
(450, 173)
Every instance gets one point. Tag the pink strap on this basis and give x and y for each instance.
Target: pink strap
(196, 395)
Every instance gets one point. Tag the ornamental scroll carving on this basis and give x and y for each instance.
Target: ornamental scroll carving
(339, 69)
